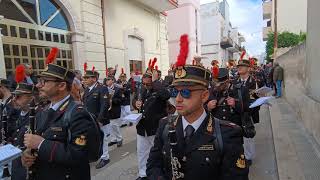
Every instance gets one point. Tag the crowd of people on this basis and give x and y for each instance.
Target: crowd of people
(196, 123)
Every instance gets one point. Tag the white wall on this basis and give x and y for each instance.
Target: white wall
(124, 18)
(292, 15)
(183, 21)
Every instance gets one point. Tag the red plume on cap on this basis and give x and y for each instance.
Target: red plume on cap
(122, 71)
(252, 62)
(52, 55)
(93, 68)
(215, 72)
(153, 62)
(184, 50)
(20, 73)
(149, 65)
(85, 67)
(242, 55)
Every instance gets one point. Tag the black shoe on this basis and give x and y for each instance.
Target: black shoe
(102, 163)
(112, 143)
(123, 125)
(249, 162)
(119, 143)
(131, 124)
(142, 178)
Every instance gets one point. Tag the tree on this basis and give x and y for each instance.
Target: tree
(285, 39)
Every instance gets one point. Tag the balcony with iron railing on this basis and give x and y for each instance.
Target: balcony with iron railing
(160, 5)
(226, 42)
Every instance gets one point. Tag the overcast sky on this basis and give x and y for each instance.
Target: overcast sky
(247, 16)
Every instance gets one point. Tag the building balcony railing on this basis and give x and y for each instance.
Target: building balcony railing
(267, 10)
(266, 31)
(160, 5)
(226, 42)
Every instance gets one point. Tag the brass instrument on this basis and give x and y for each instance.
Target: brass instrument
(111, 94)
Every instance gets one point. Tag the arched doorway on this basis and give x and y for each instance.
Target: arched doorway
(30, 28)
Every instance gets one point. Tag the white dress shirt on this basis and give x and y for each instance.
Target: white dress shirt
(91, 87)
(196, 124)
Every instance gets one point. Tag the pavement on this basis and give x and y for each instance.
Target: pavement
(297, 152)
(123, 165)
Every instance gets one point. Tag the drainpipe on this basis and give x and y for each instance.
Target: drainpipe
(104, 32)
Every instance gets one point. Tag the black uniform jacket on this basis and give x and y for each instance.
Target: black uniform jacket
(125, 94)
(115, 111)
(97, 102)
(154, 108)
(18, 171)
(251, 85)
(200, 159)
(63, 154)
(225, 112)
(12, 117)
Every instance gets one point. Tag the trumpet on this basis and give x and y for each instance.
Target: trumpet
(111, 94)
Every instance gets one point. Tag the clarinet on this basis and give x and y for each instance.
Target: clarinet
(175, 164)
(139, 93)
(4, 140)
(32, 130)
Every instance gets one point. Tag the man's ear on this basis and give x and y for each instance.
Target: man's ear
(205, 96)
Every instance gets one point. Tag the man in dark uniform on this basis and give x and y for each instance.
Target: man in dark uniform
(196, 155)
(246, 80)
(96, 100)
(194, 145)
(224, 102)
(114, 112)
(125, 88)
(61, 142)
(7, 106)
(23, 95)
(152, 103)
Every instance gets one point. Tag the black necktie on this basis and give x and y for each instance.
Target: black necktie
(189, 132)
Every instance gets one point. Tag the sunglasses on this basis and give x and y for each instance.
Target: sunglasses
(185, 93)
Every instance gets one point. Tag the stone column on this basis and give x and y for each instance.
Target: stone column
(2, 64)
(78, 50)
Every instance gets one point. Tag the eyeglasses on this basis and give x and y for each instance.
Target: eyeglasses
(185, 93)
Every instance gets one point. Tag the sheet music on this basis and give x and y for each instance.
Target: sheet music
(260, 101)
(134, 118)
(8, 153)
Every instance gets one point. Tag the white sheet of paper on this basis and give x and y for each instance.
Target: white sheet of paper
(260, 101)
(134, 118)
(8, 153)
(263, 90)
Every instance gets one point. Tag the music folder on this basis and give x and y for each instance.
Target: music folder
(8, 153)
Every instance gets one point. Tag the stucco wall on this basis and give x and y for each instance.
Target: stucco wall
(124, 18)
(313, 53)
(295, 78)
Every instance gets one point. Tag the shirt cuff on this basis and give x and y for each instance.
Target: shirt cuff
(40, 144)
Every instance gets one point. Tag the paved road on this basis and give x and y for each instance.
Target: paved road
(123, 165)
